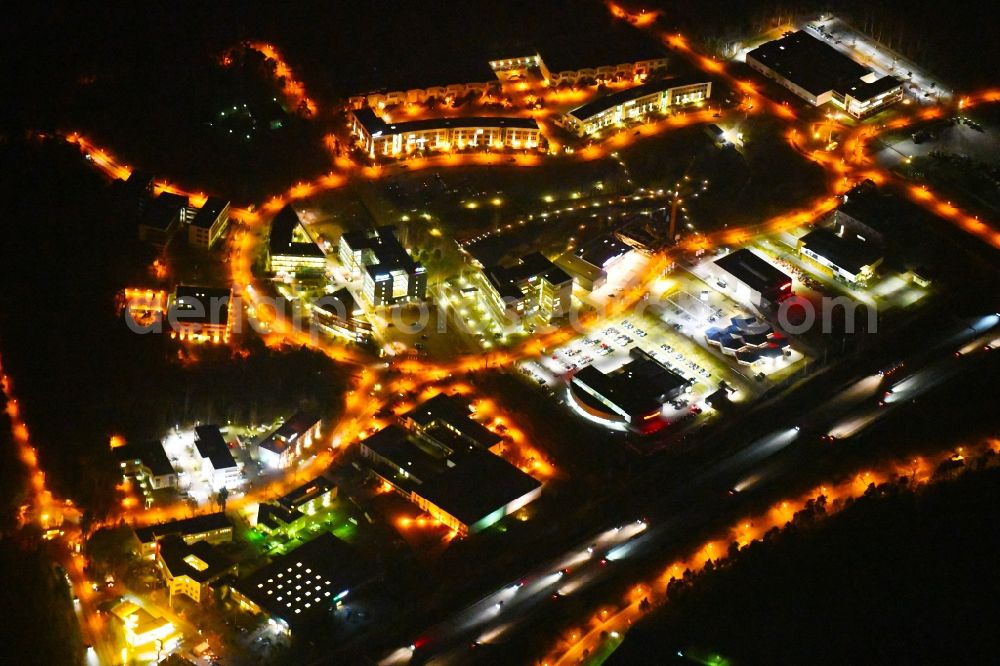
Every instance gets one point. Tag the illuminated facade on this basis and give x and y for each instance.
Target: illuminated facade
(212, 527)
(634, 70)
(219, 467)
(292, 440)
(633, 394)
(389, 274)
(191, 569)
(840, 255)
(209, 223)
(751, 278)
(290, 247)
(457, 481)
(534, 287)
(636, 104)
(201, 314)
(380, 138)
(338, 314)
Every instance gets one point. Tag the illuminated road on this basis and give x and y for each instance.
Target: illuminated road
(767, 461)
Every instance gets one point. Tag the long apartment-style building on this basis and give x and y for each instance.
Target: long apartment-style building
(379, 137)
(636, 104)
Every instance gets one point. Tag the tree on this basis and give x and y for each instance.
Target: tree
(222, 497)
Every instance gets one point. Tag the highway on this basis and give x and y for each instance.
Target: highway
(681, 510)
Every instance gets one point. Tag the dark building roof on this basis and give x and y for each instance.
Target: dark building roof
(862, 91)
(196, 525)
(164, 211)
(754, 271)
(602, 104)
(151, 454)
(207, 214)
(850, 254)
(212, 445)
(602, 250)
(376, 126)
(300, 586)
(507, 279)
(389, 253)
(288, 432)
(306, 492)
(470, 483)
(453, 412)
(282, 233)
(809, 63)
(275, 516)
(201, 561)
(638, 388)
(201, 305)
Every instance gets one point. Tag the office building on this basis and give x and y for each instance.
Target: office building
(291, 248)
(447, 422)
(191, 569)
(338, 314)
(380, 138)
(148, 464)
(751, 278)
(589, 265)
(632, 395)
(533, 287)
(162, 219)
(841, 255)
(218, 465)
(296, 438)
(201, 313)
(390, 275)
(637, 104)
(209, 223)
(211, 527)
(819, 73)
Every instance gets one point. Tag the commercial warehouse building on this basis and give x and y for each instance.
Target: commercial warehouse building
(290, 247)
(840, 255)
(443, 419)
(534, 286)
(633, 394)
(390, 275)
(297, 589)
(751, 278)
(380, 138)
(636, 104)
(819, 73)
(456, 481)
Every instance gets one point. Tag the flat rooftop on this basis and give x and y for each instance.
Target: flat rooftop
(809, 63)
(282, 240)
(469, 484)
(208, 213)
(201, 305)
(306, 492)
(186, 526)
(506, 279)
(151, 454)
(849, 253)
(602, 251)
(300, 586)
(201, 561)
(862, 91)
(212, 445)
(383, 244)
(753, 270)
(454, 412)
(376, 125)
(639, 387)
